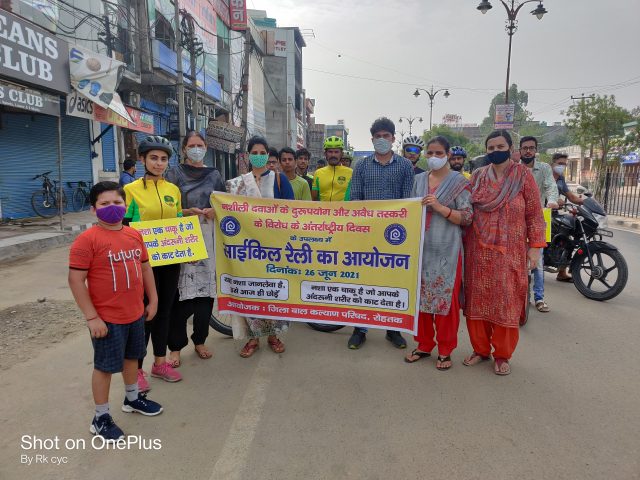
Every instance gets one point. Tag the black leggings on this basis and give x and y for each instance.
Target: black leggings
(166, 279)
(200, 308)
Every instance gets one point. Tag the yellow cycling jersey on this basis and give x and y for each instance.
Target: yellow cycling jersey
(149, 200)
(333, 184)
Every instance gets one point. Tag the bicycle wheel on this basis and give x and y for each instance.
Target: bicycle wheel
(44, 204)
(325, 327)
(220, 322)
(79, 200)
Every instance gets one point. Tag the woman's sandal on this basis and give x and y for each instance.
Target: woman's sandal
(249, 349)
(174, 362)
(416, 353)
(474, 359)
(441, 360)
(498, 364)
(276, 345)
(204, 352)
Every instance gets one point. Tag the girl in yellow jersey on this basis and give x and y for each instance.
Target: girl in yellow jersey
(153, 198)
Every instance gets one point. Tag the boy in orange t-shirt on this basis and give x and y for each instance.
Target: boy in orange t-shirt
(109, 273)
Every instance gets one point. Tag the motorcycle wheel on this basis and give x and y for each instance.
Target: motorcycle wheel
(604, 262)
(325, 327)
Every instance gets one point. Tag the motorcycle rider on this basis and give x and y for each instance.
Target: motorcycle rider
(543, 176)
(559, 165)
(456, 162)
(332, 183)
(412, 147)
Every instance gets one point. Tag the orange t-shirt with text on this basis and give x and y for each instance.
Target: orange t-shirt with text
(113, 260)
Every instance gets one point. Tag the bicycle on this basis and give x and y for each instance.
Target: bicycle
(45, 201)
(80, 195)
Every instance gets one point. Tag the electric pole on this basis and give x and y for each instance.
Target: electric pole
(583, 97)
(245, 89)
(179, 73)
(195, 49)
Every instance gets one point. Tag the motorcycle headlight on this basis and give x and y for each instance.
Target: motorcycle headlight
(602, 220)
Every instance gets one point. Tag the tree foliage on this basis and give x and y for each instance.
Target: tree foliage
(519, 98)
(597, 122)
(455, 138)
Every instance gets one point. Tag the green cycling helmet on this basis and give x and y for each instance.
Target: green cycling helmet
(333, 142)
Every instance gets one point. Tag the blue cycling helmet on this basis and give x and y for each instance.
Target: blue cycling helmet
(458, 152)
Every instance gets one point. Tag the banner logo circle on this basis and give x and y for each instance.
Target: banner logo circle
(395, 234)
(230, 226)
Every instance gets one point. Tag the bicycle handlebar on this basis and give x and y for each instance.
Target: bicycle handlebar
(42, 175)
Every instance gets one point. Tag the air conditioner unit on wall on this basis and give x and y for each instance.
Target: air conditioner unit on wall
(188, 101)
(133, 99)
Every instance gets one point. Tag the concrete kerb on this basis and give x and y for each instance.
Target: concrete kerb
(625, 222)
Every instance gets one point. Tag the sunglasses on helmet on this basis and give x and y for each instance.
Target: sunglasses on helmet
(412, 149)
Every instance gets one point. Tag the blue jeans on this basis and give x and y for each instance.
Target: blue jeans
(538, 279)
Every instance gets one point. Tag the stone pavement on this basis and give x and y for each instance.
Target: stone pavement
(20, 238)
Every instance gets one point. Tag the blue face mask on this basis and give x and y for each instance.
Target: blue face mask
(258, 161)
(498, 156)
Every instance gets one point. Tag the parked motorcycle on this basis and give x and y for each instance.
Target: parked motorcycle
(598, 268)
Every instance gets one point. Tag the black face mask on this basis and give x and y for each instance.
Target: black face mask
(528, 160)
(498, 156)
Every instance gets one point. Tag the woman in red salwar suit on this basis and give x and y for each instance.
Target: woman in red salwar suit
(501, 245)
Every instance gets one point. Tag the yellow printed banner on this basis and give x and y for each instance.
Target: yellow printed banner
(172, 240)
(547, 219)
(346, 263)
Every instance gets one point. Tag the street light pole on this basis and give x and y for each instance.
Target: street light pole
(410, 120)
(512, 26)
(432, 95)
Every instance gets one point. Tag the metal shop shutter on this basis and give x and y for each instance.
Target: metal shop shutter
(108, 149)
(29, 146)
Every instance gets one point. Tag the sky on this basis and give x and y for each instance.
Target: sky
(586, 46)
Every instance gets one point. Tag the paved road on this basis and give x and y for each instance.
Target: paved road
(569, 410)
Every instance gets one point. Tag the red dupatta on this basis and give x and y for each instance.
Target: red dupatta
(491, 196)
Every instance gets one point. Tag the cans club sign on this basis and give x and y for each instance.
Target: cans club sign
(32, 54)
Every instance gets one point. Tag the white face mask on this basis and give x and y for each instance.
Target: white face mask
(196, 153)
(559, 169)
(382, 146)
(436, 163)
